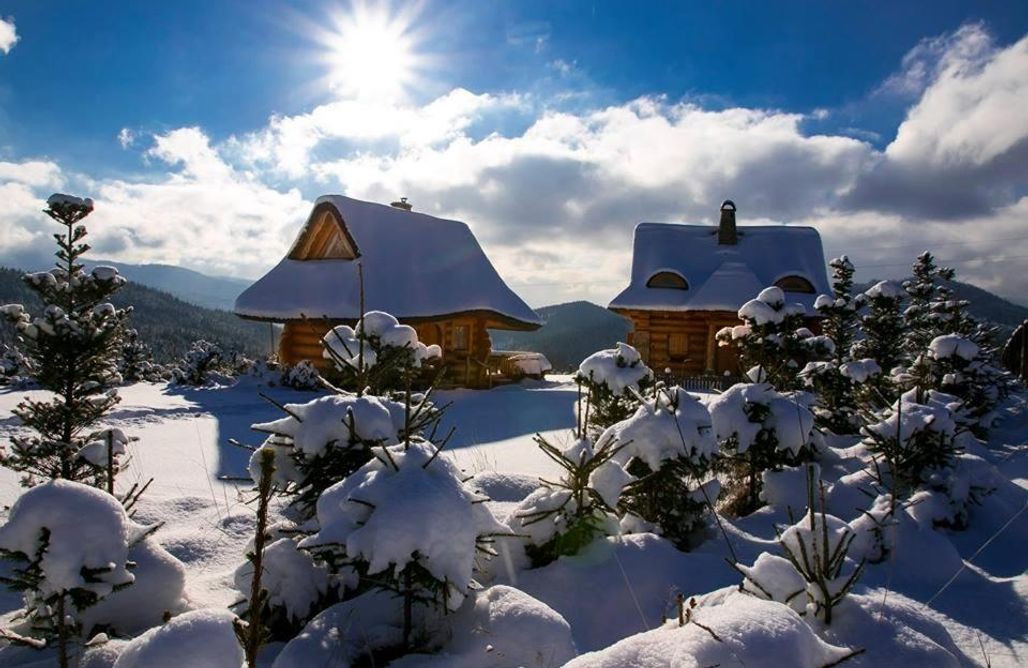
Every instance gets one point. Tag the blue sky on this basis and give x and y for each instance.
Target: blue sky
(885, 125)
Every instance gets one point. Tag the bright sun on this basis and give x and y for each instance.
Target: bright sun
(371, 53)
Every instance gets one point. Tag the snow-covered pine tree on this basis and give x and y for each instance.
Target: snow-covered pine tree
(67, 546)
(200, 363)
(773, 343)
(73, 347)
(932, 309)
(759, 429)
(669, 448)
(836, 401)
(883, 328)
(14, 366)
(136, 363)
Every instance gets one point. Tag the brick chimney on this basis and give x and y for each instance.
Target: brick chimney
(726, 235)
(402, 203)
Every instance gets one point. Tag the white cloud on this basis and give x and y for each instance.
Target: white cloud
(8, 34)
(126, 138)
(555, 196)
(962, 150)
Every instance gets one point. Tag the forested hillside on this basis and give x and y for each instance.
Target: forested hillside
(166, 323)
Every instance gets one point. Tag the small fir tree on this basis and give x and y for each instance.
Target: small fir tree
(836, 401)
(883, 340)
(773, 343)
(137, 363)
(73, 347)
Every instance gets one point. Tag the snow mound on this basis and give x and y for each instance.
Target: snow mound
(886, 289)
(953, 345)
(619, 368)
(88, 530)
(502, 627)
(199, 638)
(730, 411)
(752, 632)
(292, 579)
(159, 589)
(860, 371)
(397, 506)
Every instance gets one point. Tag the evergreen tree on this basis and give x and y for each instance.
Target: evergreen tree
(73, 347)
(136, 361)
(773, 343)
(837, 408)
(883, 329)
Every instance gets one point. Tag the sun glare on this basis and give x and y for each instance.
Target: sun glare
(371, 53)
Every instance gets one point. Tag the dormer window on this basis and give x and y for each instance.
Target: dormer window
(667, 279)
(795, 284)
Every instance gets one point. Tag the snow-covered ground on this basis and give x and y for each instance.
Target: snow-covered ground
(961, 594)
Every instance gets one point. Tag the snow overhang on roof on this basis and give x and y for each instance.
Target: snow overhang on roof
(721, 277)
(415, 266)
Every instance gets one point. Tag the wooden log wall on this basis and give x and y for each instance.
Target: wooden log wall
(651, 336)
(464, 367)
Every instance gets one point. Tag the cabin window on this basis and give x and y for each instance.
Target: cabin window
(667, 279)
(460, 337)
(677, 344)
(795, 284)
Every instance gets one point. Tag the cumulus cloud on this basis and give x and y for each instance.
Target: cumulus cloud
(8, 34)
(962, 150)
(554, 197)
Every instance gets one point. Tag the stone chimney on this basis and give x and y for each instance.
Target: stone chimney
(726, 235)
(402, 204)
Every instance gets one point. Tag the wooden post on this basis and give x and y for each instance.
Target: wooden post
(711, 361)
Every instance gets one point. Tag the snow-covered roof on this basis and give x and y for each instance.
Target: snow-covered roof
(721, 277)
(415, 266)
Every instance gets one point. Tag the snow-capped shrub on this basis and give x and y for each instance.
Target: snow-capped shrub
(199, 638)
(320, 442)
(199, 366)
(296, 585)
(914, 438)
(378, 353)
(562, 517)
(68, 545)
(406, 523)
(669, 446)
(772, 341)
(956, 365)
(72, 347)
(614, 379)
(15, 368)
(760, 429)
(136, 362)
(816, 561)
(301, 376)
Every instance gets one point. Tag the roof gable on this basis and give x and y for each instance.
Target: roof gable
(414, 266)
(722, 277)
(324, 237)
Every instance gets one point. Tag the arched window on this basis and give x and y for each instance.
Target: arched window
(795, 284)
(667, 279)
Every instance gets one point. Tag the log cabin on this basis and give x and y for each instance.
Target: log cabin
(429, 272)
(688, 281)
